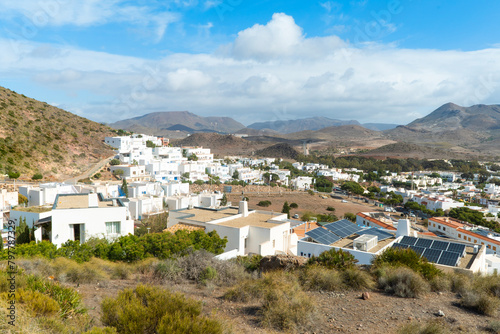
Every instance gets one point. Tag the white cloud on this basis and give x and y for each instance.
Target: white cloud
(34, 14)
(270, 71)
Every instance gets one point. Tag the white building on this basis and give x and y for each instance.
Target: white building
(302, 182)
(82, 216)
(132, 173)
(257, 232)
(46, 193)
(141, 206)
(202, 154)
(8, 199)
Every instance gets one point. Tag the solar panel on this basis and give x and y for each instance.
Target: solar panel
(398, 245)
(426, 243)
(449, 259)
(432, 255)
(408, 241)
(343, 228)
(482, 232)
(442, 245)
(456, 248)
(373, 231)
(322, 236)
(417, 249)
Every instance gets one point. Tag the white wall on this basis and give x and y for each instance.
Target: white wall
(94, 220)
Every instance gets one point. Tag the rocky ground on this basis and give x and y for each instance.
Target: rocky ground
(338, 312)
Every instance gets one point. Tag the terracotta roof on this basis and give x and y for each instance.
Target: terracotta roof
(451, 222)
(301, 229)
(377, 222)
(479, 236)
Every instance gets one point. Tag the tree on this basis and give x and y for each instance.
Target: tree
(118, 172)
(14, 175)
(149, 143)
(350, 216)
(155, 224)
(286, 209)
(114, 162)
(294, 205)
(236, 175)
(37, 176)
(24, 234)
(352, 187)
(193, 157)
(223, 201)
(21, 199)
(125, 187)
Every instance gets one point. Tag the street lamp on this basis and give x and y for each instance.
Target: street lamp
(148, 229)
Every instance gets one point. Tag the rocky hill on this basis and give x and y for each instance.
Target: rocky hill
(165, 123)
(282, 150)
(37, 138)
(454, 117)
(289, 126)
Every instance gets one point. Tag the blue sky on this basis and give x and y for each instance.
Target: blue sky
(373, 61)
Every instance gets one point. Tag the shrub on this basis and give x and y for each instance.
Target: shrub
(285, 306)
(251, 263)
(406, 257)
(167, 270)
(334, 259)
(460, 282)
(441, 283)
(480, 302)
(357, 279)
(318, 278)
(402, 282)
(244, 292)
(494, 326)
(37, 176)
(85, 273)
(147, 309)
(265, 203)
(330, 208)
(102, 330)
(38, 303)
(294, 205)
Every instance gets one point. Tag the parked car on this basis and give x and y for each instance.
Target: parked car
(344, 201)
(295, 216)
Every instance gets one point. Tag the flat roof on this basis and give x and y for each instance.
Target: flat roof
(348, 243)
(204, 216)
(34, 209)
(256, 219)
(79, 201)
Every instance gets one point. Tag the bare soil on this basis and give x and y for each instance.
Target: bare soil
(338, 312)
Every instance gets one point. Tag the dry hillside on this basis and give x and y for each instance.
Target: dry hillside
(36, 137)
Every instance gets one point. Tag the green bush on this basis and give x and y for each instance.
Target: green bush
(38, 303)
(251, 263)
(294, 205)
(147, 309)
(102, 330)
(265, 203)
(334, 259)
(330, 208)
(37, 176)
(402, 282)
(406, 257)
(357, 279)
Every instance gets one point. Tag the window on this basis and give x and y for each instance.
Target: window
(439, 227)
(494, 248)
(459, 235)
(113, 227)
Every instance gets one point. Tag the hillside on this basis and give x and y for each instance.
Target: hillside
(454, 117)
(36, 137)
(289, 126)
(164, 123)
(282, 150)
(220, 145)
(334, 133)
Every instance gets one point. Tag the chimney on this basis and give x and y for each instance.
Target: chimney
(243, 209)
(403, 228)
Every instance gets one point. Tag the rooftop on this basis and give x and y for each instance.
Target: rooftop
(255, 219)
(204, 216)
(79, 201)
(33, 209)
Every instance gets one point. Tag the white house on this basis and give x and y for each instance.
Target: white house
(46, 192)
(132, 173)
(302, 182)
(139, 207)
(82, 216)
(8, 199)
(257, 232)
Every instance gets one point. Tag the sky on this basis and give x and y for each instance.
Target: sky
(388, 61)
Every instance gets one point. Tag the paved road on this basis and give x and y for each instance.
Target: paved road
(97, 167)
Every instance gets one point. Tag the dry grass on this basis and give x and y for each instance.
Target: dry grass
(402, 282)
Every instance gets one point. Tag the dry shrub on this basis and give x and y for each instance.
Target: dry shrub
(145, 267)
(494, 326)
(86, 273)
(488, 283)
(480, 302)
(36, 266)
(194, 267)
(147, 309)
(244, 292)
(102, 330)
(441, 283)
(461, 282)
(285, 305)
(38, 303)
(432, 327)
(402, 282)
(316, 278)
(167, 270)
(357, 279)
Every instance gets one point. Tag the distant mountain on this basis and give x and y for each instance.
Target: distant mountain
(335, 133)
(379, 126)
(454, 117)
(296, 125)
(161, 123)
(36, 137)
